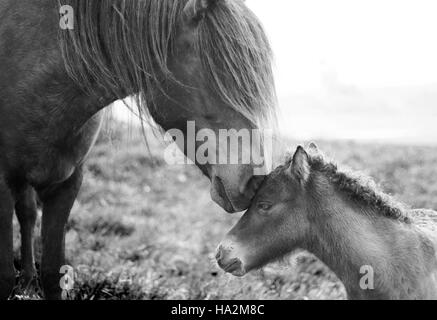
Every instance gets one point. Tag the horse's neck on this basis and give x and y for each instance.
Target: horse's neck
(72, 111)
(357, 245)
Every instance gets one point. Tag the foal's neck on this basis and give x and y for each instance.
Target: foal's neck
(358, 245)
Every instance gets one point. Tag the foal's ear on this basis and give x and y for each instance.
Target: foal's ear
(313, 147)
(300, 167)
(195, 9)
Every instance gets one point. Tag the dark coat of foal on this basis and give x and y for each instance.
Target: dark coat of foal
(185, 60)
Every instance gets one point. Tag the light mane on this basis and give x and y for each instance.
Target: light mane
(122, 47)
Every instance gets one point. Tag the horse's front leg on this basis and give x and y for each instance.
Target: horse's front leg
(26, 211)
(57, 204)
(7, 270)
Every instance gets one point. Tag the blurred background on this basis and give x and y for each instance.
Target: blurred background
(361, 70)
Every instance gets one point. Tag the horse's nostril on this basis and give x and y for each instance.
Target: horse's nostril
(218, 255)
(219, 195)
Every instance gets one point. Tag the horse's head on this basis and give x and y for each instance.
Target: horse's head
(201, 61)
(220, 79)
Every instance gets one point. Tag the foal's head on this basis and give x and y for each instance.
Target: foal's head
(276, 223)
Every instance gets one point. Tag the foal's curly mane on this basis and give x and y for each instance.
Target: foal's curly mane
(358, 187)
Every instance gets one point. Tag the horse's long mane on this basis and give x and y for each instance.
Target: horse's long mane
(122, 47)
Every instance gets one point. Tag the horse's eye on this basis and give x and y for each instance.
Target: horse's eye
(212, 118)
(264, 206)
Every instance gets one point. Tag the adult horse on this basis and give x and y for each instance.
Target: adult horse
(206, 61)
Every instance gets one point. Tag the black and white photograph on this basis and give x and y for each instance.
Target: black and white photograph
(235, 152)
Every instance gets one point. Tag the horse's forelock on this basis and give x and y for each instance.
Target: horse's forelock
(237, 58)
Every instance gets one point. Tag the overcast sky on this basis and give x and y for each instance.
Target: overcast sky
(355, 69)
(367, 42)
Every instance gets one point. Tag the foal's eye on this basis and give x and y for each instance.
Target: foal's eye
(264, 206)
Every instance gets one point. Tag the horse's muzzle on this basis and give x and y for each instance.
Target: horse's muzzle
(235, 197)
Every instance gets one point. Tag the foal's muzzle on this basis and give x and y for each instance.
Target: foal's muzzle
(228, 263)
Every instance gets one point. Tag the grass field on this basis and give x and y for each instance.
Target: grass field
(144, 230)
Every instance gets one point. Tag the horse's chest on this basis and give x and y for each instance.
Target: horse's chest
(58, 162)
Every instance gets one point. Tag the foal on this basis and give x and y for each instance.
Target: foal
(378, 249)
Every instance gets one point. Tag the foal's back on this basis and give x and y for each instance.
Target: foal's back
(425, 222)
